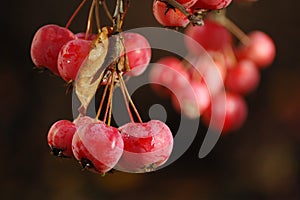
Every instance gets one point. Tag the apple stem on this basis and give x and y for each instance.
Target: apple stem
(232, 27)
(108, 110)
(243, 37)
(125, 99)
(103, 3)
(75, 13)
(97, 17)
(90, 20)
(102, 101)
(124, 12)
(122, 82)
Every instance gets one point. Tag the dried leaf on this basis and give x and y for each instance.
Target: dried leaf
(88, 77)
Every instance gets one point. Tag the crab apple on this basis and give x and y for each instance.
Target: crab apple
(260, 49)
(169, 16)
(209, 67)
(71, 56)
(234, 115)
(211, 4)
(146, 146)
(169, 75)
(97, 146)
(243, 78)
(60, 137)
(46, 45)
(192, 101)
(138, 52)
(211, 36)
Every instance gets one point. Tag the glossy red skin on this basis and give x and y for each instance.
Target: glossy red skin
(96, 146)
(46, 45)
(138, 52)
(211, 4)
(235, 114)
(243, 78)
(146, 146)
(170, 73)
(60, 137)
(71, 57)
(261, 49)
(211, 36)
(171, 18)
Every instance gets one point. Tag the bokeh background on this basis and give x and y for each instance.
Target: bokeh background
(259, 161)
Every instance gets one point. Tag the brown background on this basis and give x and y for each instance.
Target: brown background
(260, 161)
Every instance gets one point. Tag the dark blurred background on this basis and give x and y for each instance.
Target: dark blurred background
(259, 161)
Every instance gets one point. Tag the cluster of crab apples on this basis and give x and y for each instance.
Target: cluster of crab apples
(219, 67)
(233, 71)
(98, 146)
(133, 147)
(216, 65)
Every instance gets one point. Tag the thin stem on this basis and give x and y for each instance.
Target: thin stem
(124, 13)
(109, 101)
(110, 112)
(75, 13)
(102, 101)
(243, 37)
(130, 100)
(90, 19)
(125, 99)
(103, 3)
(97, 17)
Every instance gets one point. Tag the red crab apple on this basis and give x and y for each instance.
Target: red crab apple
(46, 45)
(233, 116)
(146, 146)
(138, 52)
(60, 137)
(260, 49)
(211, 36)
(193, 100)
(71, 57)
(169, 16)
(242, 78)
(169, 73)
(97, 146)
(208, 68)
